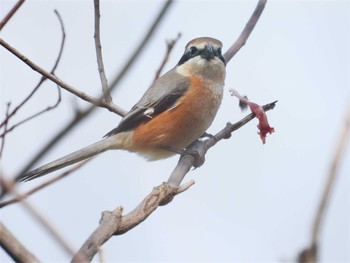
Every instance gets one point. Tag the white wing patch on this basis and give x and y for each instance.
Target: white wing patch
(149, 112)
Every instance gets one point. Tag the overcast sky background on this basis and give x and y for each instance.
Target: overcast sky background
(251, 202)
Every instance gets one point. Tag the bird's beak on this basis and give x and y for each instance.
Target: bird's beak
(208, 53)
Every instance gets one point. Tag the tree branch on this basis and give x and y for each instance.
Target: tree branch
(201, 147)
(41, 81)
(14, 248)
(240, 42)
(84, 96)
(20, 197)
(48, 108)
(45, 223)
(309, 255)
(114, 223)
(170, 45)
(2, 146)
(11, 13)
(98, 46)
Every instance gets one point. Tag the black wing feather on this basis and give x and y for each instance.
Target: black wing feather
(137, 116)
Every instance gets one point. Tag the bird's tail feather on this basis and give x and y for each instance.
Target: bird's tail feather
(69, 159)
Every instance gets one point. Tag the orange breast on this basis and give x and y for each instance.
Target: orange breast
(192, 115)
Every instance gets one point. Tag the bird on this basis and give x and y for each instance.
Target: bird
(174, 111)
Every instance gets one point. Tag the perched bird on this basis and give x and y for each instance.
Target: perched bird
(175, 111)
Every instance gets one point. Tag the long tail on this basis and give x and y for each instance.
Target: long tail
(69, 159)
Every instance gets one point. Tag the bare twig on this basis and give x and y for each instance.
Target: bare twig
(46, 224)
(106, 94)
(7, 130)
(20, 197)
(80, 116)
(240, 42)
(41, 81)
(11, 13)
(84, 96)
(170, 45)
(309, 254)
(114, 223)
(14, 248)
(2, 146)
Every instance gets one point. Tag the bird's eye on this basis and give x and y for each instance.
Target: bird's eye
(219, 51)
(193, 50)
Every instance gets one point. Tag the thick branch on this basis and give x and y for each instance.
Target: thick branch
(114, 223)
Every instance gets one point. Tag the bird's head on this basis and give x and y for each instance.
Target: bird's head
(203, 58)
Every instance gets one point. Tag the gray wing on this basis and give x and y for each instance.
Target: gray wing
(160, 97)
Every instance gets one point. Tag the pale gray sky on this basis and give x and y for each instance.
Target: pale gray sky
(251, 202)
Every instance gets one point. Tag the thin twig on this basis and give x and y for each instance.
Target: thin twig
(84, 96)
(40, 217)
(309, 254)
(50, 228)
(58, 101)
(240, 42)
(332, 173)
(169, 45)
(82, 115)
(43, 78)
(105, 89)
(20, 197)
(11, 13)
(14, 248)
(5, 128)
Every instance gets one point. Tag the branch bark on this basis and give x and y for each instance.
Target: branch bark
(114, 223)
